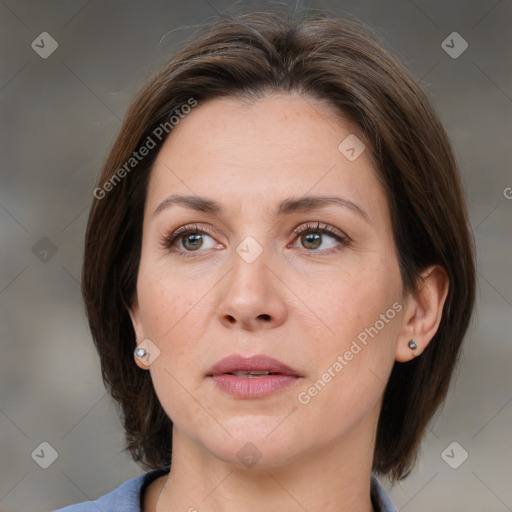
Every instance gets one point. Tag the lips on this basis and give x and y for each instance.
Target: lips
(256, 364)
(252, 377)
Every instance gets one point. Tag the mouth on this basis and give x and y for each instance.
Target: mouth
(252, 374)
(252, 377)
(251, 367)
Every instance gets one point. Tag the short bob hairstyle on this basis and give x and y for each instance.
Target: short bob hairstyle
(342, 63)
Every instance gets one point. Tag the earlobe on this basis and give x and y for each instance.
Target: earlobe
(423, 314)
(408, 348)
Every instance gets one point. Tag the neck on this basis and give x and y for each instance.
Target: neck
(332, 478)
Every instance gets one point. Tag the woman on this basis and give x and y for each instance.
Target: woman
(278, 271)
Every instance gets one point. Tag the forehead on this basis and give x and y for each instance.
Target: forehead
(254, 152)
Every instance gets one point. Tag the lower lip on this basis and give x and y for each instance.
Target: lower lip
(256, 387)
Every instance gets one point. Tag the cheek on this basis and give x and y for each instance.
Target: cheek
(175, 311)
(167, 300)
(173, 317)
(355, 350)
(351, 372)
(342, 303)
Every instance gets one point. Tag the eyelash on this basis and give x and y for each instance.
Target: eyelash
(325, 229)
(167, 241)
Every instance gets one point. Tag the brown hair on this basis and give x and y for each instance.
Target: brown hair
(342, 63)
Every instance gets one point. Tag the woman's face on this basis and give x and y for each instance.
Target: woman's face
(264, 238)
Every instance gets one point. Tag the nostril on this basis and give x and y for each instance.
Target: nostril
(264, 317)
(231, 319)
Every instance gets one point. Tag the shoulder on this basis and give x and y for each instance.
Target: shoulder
(126, 497)
(380, 499)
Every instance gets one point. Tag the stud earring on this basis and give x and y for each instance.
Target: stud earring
(412, 345)
(140, 352)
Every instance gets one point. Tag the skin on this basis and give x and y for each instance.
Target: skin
(300, 304)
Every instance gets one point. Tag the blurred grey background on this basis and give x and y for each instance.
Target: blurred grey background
(60, 113)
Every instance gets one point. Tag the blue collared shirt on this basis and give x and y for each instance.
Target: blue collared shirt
(127, 497)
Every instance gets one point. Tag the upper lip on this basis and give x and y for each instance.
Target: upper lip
(238, 363)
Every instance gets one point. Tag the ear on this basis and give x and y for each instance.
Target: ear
(423, 313)
(134, 312)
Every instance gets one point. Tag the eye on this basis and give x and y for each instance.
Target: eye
(318, 238)
(189, 239)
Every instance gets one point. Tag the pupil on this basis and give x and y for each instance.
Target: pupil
(311, 240)
(193, 242)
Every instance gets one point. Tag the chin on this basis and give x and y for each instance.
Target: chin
(255, 442)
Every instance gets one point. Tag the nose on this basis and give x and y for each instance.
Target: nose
(252, 297)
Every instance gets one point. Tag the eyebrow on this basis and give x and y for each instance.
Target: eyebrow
(286, 207)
